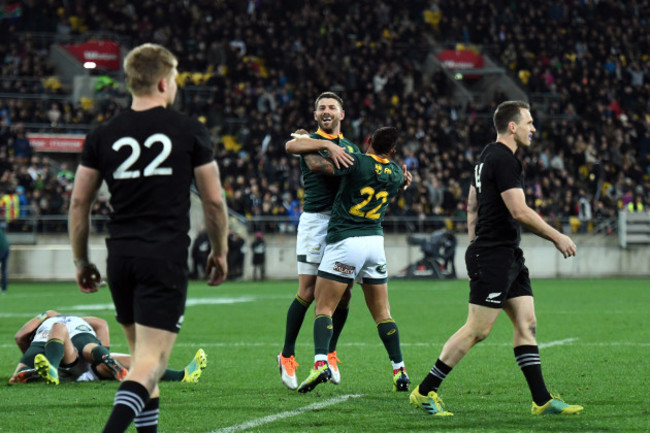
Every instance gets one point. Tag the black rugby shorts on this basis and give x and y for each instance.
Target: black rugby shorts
(150, 292)
(496, 275)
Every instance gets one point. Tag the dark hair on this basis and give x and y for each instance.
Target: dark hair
(384, 139)
(506, 112)
(331, 95)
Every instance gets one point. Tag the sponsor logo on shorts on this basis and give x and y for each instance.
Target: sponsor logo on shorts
(343, 268)
(316, 248)
(492, 297)
(83, 328)
(180, 321)
(381, 268)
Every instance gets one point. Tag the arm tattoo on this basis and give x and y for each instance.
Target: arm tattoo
(317, 163)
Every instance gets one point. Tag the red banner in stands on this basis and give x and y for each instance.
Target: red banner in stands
(105, 54)
(460, 59)
(56, 142)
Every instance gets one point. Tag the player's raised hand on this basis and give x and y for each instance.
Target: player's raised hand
(300, 133)
(217, 269)
(408, 177)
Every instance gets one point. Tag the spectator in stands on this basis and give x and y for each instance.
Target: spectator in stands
(259, 257)
(637, 205)
(200, 253)
(101, 211)
(235, 255)
(584, 211)
(587, 85)
(22, 148)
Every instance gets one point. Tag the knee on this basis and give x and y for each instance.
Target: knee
(381, 318)
(476, 334)
(307, 293)
(527, 327)
(324, 307)
(481, 335)
(148, 370)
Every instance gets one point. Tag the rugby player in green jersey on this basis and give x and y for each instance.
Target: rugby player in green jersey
(355, 249)
(312, 228)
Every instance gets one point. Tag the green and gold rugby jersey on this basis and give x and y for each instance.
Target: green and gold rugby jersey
(363, 196)
(320, 189)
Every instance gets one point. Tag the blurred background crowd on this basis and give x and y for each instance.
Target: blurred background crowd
(251, 70)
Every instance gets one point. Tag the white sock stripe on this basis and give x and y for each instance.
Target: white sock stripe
(438, 373)
(129, 405)
(137, 401)
(129, 399)
(528, 364)
(527, 356)
(120, 399)
(146, 424)
(131, 394)
(146, 418)
(149, 412)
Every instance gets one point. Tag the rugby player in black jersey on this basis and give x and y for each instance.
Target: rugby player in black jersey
(148, 155)
(496, 210)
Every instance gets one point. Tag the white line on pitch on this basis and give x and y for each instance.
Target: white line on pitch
(288, 414)
(557, 343)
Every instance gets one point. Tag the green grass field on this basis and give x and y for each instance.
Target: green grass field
(593, 336)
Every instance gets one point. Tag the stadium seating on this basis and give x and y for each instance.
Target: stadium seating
(251, 70)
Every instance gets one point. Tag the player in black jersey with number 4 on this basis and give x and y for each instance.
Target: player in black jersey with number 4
(496, 209)
(148, 156)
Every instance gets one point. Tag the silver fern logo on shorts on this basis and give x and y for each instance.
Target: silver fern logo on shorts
(492, 297)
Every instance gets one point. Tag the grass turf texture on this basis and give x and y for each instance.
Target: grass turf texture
(597, 356)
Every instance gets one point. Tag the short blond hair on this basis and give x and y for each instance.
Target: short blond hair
(146, 65)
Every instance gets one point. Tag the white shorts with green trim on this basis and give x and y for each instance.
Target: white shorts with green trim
(310, 245)
(359, 258)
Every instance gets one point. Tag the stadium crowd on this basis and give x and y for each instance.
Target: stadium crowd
(253, 68)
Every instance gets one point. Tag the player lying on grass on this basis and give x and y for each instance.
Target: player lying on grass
(74, 336)
(52, 340)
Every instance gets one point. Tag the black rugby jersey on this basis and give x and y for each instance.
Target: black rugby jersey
(496, 170)
(147, 158)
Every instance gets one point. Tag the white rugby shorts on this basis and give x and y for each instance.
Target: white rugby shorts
(310, 244)
(360, 258)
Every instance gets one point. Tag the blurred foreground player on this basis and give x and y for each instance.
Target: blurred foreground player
(148, 155)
